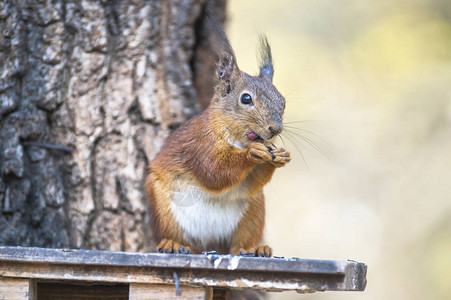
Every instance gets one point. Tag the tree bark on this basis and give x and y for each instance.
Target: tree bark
(89, 91)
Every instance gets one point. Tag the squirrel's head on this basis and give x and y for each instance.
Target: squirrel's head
(252, 106)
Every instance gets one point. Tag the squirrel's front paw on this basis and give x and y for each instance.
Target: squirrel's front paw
(170, 246)
(259, 153)
(280, 157)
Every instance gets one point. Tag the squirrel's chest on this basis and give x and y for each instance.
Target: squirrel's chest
(207, 218)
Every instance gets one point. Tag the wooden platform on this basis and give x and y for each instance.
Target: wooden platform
(37, 273)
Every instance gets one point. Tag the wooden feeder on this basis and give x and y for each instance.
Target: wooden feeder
(38, 273)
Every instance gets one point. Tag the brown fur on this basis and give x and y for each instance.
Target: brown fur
(213, 151)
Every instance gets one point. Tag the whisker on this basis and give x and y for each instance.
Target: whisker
(308, 131)
(297, 100)
(301, 121)
(298, 148)
(306, 139)
(296, 135)
(290, 93)
(281, 139)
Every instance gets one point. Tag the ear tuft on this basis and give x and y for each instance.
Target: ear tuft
(266, 65)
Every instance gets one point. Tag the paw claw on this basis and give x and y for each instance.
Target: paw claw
(282, 157)
(170, 246)
(259, 153)
(261, 251)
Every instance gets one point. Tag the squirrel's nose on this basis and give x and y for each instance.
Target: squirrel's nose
(275, 129)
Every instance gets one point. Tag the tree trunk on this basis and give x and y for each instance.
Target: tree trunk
(89, 91)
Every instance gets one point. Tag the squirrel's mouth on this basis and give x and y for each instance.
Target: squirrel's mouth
(255, 137)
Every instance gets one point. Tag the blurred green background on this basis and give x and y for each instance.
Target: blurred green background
(369, 85)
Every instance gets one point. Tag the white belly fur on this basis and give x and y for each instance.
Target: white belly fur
(206, 217)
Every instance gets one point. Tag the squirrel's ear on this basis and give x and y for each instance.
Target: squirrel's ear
(227, 67)
(266, 66)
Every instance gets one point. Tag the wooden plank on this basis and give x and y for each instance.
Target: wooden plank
(191, 261)
(223, 271)
(230, 279)
(355, 278)
(139, 291)
(208, 293)
(17, 289)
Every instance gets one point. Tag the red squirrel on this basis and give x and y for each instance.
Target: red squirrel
(205, 186)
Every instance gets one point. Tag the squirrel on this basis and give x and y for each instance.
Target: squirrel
(205, 186)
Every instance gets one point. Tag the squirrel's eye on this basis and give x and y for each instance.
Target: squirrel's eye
(246, 99)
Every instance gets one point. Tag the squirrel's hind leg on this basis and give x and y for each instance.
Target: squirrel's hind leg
(249, 232)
